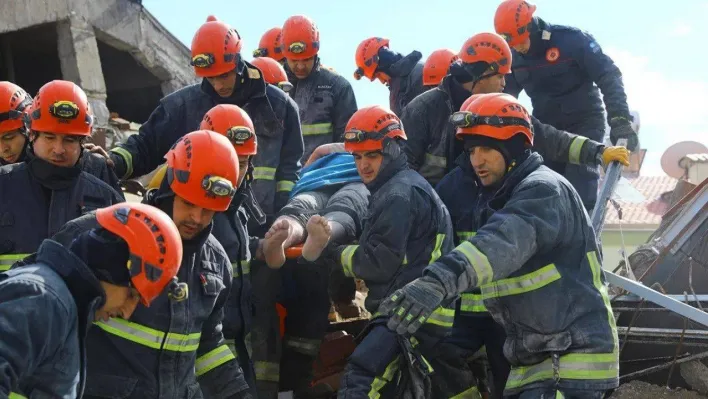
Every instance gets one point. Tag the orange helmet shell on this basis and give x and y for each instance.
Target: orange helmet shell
(437, 66)
(513, 20)
(61, 107)
(202, 168)
(469, 101)
(496, 115)
(300, 38)
(234, 123)
(377, 121)
(216, 49)
(490, 48)
(270, 45)
(367, 57)
(273, 72)
(13, 103)
(153, 241)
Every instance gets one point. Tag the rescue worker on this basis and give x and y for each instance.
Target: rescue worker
(227, 79)
(273, 73)
(403, 75)
(270, 45)
(41, 194)
(13, 132)
(437, 66)
(46, 307)
(534, 256)
(325, 99)
(563, 70)
(14, 102)
(484, 62)
(407, 228)
(330, 194)
(231, 231)
(177, 349)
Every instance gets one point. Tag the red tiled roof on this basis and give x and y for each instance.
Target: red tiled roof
(648, 212)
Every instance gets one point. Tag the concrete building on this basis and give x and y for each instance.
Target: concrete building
(115, 50)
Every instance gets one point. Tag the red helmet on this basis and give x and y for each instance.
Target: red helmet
(369, 127)
(513, 20)
(273, 72)
(489, 48)
(234, 123)
(202, 168)
(216, 49)
(13, 103)
(61, 107)
(153, 241)
(269, 46)
(437, 65)
(367, 57)
(300, 38)
(495, 115)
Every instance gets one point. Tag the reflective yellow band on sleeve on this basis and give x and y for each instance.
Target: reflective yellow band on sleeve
(213, 359)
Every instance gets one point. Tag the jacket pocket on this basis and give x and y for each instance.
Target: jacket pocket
(538, 347)
(112, 386)
(212, 284)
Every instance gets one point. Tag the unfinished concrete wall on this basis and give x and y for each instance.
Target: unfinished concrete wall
(16, 15)
(81, 64)
(122, 24)
(129, 27)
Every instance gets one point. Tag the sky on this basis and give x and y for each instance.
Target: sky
(659, 46)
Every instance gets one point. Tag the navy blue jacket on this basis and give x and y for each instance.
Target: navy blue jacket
(406, 81)
(536, 259)
(46, 309)
(274, 115)
(30, 213)
(559, 74)
(326, 101)
(407, 227)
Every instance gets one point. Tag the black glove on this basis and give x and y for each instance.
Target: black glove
(620, 128)
(410, 306)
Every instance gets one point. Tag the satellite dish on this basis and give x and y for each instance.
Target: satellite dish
(671, 157)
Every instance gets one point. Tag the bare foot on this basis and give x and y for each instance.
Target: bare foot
(273, 249)
(318, 233)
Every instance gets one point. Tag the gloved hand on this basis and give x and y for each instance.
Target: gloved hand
(410, 306)
(621, 129)
(619, 154)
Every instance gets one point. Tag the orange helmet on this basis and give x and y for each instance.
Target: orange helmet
(216, 48)
(13, 102)
(300, 38)
(495, 115)
(489, 48)
(202, 168)
(437, 65)
(269, 46)
(367, 57)
(273, 72)
(469, 101)
(154, 244)
(234, 123)
(61, 107)
(513, 20)
(369, 127)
